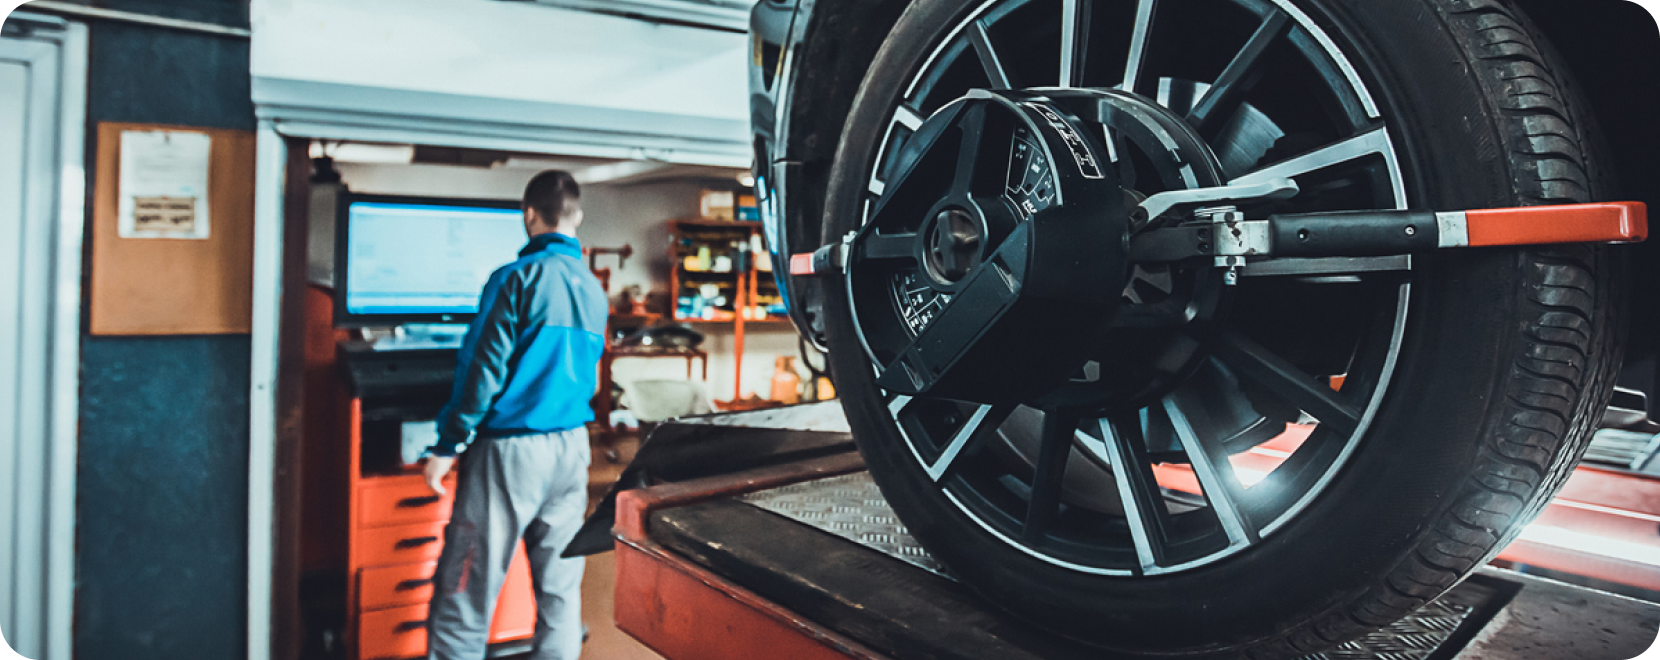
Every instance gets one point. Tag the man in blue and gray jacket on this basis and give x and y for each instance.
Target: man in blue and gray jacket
(519, 408)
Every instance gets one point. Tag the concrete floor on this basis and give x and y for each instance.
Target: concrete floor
(605, 641)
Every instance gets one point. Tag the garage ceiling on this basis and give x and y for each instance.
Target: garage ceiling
(720, 14)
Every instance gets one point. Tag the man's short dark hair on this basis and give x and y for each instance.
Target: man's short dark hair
(553, 194)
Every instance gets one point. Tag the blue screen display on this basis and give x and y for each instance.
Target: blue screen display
(425, 259)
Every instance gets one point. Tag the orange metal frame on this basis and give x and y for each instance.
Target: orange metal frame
(684, 612)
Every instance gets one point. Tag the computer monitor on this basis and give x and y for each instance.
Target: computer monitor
(419, 259)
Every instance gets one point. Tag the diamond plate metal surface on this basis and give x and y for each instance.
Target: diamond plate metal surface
(1412, 638)
(851, 507)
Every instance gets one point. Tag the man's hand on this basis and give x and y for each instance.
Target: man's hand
(436, 468)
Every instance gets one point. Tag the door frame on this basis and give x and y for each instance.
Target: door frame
(55, 188)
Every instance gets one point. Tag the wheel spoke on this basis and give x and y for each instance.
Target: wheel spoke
(1258, 364)
(1226, 95)
(1074, 41)
(1371, 142)
(980, 425)
(1138, 44)
(905, 116)
(1049, 474)
(1216, 477)
(898, 404)
(1138, 491)
(988, 56)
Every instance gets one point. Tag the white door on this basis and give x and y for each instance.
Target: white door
(40, 186)
(14, 96)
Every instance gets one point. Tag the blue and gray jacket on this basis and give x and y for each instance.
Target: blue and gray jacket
(529, 361)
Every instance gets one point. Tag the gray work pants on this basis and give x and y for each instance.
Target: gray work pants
(529, 486)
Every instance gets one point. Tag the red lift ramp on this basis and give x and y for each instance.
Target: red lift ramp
(805, 560)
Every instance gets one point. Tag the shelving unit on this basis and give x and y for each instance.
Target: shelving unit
(733, 267)
(719, 256)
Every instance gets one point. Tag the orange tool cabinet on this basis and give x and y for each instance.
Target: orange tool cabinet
(380, 524)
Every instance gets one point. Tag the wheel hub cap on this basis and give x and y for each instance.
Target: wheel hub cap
(1005, 221)
(1001, 225)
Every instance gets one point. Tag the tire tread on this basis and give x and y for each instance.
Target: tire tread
(1556, 383)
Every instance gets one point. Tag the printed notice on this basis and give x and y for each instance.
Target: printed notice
(164, 184)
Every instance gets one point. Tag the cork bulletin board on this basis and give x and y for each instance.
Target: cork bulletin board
(170, 263)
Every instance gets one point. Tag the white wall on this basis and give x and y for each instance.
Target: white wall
(516, 76)
(503, 50)
(635, 214)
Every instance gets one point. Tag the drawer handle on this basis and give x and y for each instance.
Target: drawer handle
(407, 585)
(417, 502)
(416, 542)
(410, 626)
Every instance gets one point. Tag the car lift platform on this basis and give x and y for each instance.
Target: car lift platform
(804, 560)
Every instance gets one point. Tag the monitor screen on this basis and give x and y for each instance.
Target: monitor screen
(423, 260)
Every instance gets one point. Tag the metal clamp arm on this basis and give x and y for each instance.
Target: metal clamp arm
(1383, 233)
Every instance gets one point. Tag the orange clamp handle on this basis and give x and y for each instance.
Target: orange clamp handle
(1612, 222)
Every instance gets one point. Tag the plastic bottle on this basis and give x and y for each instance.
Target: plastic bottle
(786, 384)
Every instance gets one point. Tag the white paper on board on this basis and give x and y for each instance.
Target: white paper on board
(163, 188)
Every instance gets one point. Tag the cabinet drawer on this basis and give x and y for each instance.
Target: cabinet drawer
(401, 501)
(394, 633)
(407, 584)
(405, 544)
(400, 631)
